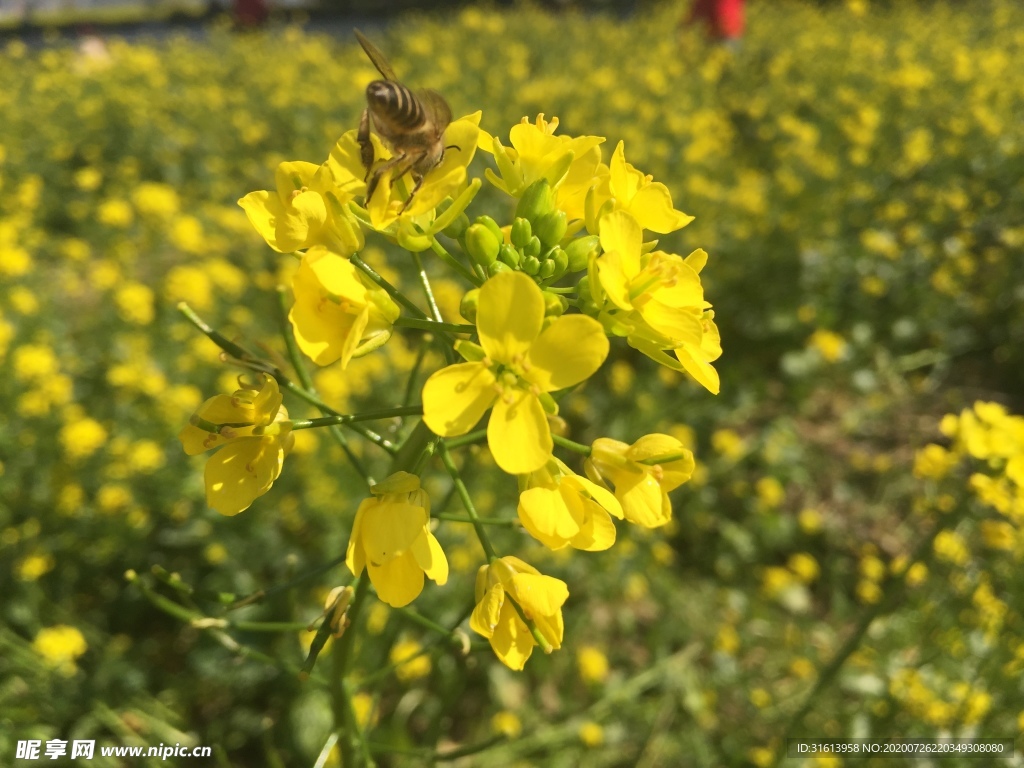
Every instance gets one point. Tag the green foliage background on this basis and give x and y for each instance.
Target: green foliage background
(854, 170)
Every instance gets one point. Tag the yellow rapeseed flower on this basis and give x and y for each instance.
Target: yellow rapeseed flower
(559, 508)
(636, 193)
(82, 437)
(252, 455)
(570, 164)
(60, 646)
(540, 598)
(391, 538)
(642, 474)
(518, 362)
(409, 660)
(338, 314)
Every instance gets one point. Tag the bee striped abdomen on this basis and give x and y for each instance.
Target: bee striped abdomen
(396, 103)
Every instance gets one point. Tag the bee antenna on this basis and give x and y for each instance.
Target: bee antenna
(454, 146)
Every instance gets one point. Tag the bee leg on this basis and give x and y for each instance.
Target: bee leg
(374, 178)
(365, 145)
(419, 183)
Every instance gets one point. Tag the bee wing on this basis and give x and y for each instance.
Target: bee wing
(379, 60)
(438, 112)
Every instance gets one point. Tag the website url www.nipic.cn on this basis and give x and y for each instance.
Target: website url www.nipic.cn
(80, 749)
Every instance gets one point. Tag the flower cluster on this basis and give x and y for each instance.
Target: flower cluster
(574, 215)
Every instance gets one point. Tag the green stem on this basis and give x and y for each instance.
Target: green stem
(393, 292)
(467, 502)
(498, 521)
(435, 311)
(233, 349)
(312, 399)
(454, 263)
(473, 437)
(307, 383)
(417, 618)
(434, 325)
(342, 659)
(382, 413)
(259, 595)
(572, 446)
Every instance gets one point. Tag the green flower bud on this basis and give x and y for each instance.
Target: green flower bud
(510, 255)
(561, 260)
(554, 304)
(536, 200)
(521, 233)
(482, 245)
(531, 265)
(547, 269)
(579, 251)
(492, 225)
(497, 267)
(532, 248)
(467, 307)
(586, 299)
(551, 228)
(457, 227)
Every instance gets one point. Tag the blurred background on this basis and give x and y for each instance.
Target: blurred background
(855, 170)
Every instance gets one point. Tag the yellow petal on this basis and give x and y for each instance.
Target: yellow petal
(389, 530)
(539, 595)
(301, 221)
(510, 315)
(518, 432)
(325, 330)
(597, 532)
(511, 640)
(355, 555)
(624, 179)
(569, 351)
(652, 206)
(642, 499)
(701, 370)
(430, 557)
(611, 272)
(620, 232)
(267, 402)
(242, 471)
(487, 611)
(344, 169)
(398, 582)
(456, 397)
(681, 325)
(292, 176)
(545, 516)
(601, 496)
(219, 409)
(263, 209)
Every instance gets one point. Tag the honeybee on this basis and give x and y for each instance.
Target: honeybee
(412, 124)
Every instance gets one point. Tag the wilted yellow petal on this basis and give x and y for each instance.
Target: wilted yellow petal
(241, 471)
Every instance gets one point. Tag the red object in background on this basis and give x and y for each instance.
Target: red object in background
(723, 17)
(250, 13)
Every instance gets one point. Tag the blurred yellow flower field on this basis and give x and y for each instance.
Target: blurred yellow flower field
(826, 469)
